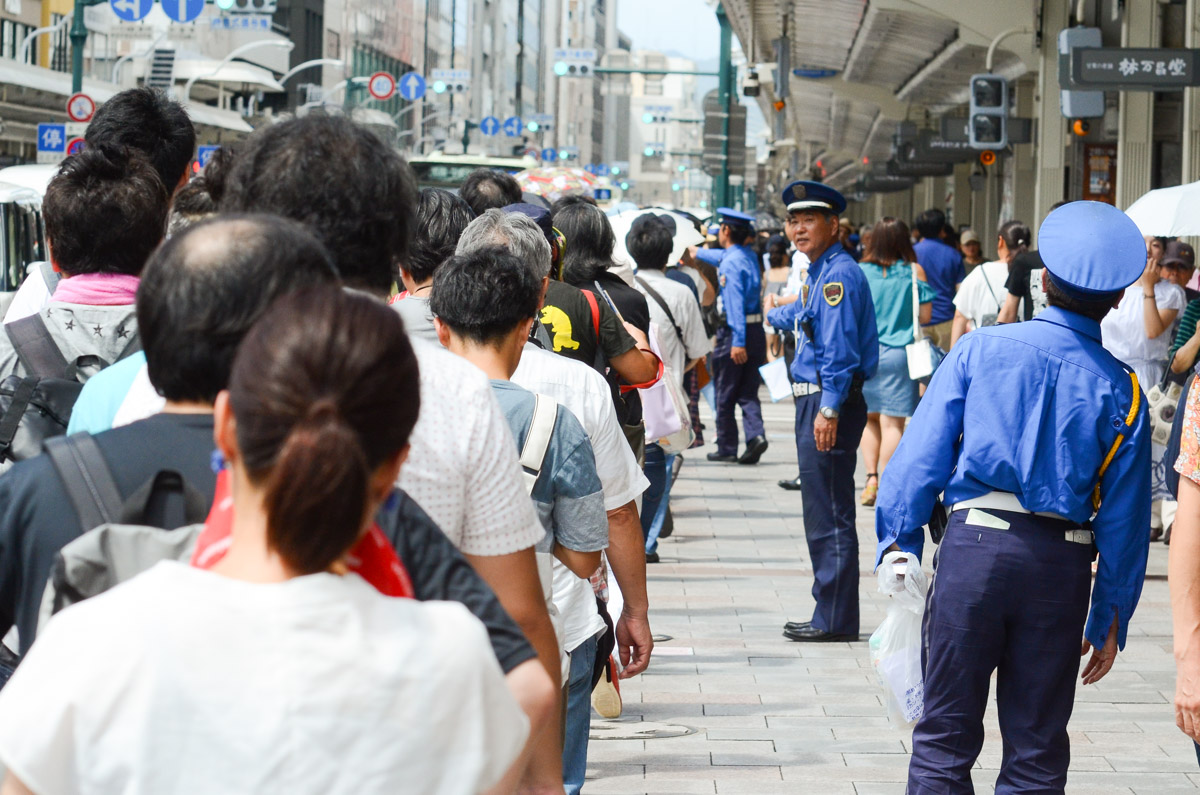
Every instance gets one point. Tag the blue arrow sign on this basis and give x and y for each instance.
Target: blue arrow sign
(182, 10)
(131, 10)
(490, 125)
(602, 170)
(412, 86)
(52, 138)
(513, 126)
(204, 154)
(549, 154)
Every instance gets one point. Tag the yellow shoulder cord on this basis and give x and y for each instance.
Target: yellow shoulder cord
(1112, 451)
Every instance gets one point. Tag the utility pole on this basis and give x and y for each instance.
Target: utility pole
(79, 36)
(725, 97)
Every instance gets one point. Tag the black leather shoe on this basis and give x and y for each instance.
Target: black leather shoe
(754, 450)
(811, 634)
(652, 557)
(796, 626)
(724, 459)
(790, 485)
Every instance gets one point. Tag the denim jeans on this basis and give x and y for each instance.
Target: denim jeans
(656, 498)
(579, 715)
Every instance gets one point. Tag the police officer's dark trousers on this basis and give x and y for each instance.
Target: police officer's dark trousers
(737, 385)
(1014, 601)
(827, 495)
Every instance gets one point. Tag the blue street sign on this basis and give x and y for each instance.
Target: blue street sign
(204, 154)
(602, 194)
(182, 10)
(131, 10)
(490, 125)
(412, 86)
(549, 154)
(602, 170)
(52, 138)
(513, 126)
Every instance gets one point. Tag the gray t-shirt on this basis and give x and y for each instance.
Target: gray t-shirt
(417, 316)
(568, 496)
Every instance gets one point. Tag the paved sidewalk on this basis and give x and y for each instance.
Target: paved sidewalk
(770, 716)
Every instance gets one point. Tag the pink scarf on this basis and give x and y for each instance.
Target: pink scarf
(97, 289)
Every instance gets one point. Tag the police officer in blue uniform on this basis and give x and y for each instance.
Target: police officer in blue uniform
(742, 342)
(837, 348)
(1039, 440)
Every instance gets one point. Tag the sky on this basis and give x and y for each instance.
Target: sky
(688, 27)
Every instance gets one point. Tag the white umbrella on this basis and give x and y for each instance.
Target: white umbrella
(1168, 212)
(685, 234)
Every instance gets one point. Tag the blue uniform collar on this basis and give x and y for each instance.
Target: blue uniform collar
(1070, 320)
(814, 268)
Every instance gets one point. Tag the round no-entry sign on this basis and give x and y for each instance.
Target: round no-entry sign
(381, 86)
(80, 107)
(75, 146)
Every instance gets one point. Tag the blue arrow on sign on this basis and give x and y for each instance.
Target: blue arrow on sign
(513, 126)
(602, 170)
(490, 125)
(412, 86)
(549, 154)
(204, 154)
(183, 10)
(52, 138)
(131, 10)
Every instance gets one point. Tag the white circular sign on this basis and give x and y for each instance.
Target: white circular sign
(80, 107)
(382, 86)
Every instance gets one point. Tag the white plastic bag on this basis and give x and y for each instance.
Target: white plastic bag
(896, 644)
(665, 407)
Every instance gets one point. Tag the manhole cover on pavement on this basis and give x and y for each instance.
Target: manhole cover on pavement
(636, 730)
(662, 638)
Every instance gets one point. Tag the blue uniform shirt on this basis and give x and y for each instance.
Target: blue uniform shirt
(1048, 406)
(741, 286)
(836, 300)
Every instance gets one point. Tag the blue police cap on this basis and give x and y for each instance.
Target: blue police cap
(734, 218)
(1091, 249)
(806, 195)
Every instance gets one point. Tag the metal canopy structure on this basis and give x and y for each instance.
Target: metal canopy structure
(890, 61)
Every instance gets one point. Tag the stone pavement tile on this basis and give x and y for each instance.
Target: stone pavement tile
(769, 710)
(898, 761)
(878, 788)
(728, 699)
(818, 775)
(761, 774)
(1136, 763)
(1146, 782)
(729, 722)
(881, 746)
(838, 724)
(777, 788)
(638, 785)
(777, 735)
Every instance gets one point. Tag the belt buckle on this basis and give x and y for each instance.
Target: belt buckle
(1079, 536)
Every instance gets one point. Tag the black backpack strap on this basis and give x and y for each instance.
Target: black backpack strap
(133, 346)
(136, 510)
(22, 394)
(35, 347)
(87, 479)
(658, 299)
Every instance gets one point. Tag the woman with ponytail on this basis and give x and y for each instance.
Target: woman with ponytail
(981, 297)
(277, 670)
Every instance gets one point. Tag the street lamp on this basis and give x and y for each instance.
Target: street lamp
(315, 62)
(287, 45)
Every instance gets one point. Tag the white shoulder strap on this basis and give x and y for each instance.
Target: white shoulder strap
(537, 440)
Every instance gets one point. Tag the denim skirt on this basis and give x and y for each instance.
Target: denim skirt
(891, 391)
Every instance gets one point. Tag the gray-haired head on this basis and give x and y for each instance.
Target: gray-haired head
(513, 231)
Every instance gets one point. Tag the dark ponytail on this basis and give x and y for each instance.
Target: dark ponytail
(324, 390)
(1016, 236)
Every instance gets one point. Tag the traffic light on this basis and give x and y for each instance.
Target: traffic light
(675, 186)
(655, 118)
(573, 68)
(247, 6)
(988, 127)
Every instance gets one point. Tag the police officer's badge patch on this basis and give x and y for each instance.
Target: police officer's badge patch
(833, 292)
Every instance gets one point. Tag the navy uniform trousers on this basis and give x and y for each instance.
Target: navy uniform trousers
(1013, 601)
(827, 495)
(737, 385)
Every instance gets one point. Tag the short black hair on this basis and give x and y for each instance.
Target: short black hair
(441, 219)
(590, 241)
(931, 223)
(216, 171)
(649, 242)
(192, 203)
(105, 211)
(148, 120)
(203, 290)
(488, 189)
(740, 234)
(351, 189)
(483, 295)
(1094, 309)
(571, 200)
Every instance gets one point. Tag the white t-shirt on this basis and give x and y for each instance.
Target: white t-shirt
(462, 467)
(982, 294)
(584, 392)
(31, 297)
(1124, 331)
(686, 312)
(184, 681)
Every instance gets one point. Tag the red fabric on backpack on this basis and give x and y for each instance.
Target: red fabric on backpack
(591, 299)
(372, 558)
